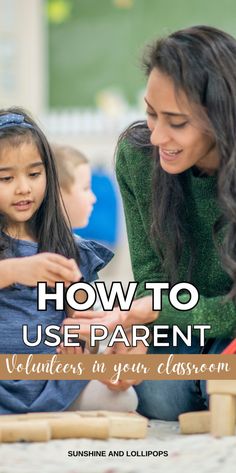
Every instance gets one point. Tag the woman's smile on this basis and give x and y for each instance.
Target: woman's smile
(169, 155)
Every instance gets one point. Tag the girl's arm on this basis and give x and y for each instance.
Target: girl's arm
(212, 311)
(7, 272)
(29, 270)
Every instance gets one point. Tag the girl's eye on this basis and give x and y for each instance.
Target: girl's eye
(35, 174)
(180, 125)
(6, 179)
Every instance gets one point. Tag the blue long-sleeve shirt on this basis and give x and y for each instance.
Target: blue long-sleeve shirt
(18, 306)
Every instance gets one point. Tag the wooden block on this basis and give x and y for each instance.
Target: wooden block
(195, 422)
(130, 428)
(34, 415)
(220, 386)
(25, 431)
(87, 424)
(223, 414)
(104, 413)
(76, 427)
(12, 417)
(121, 424)
(50, 415)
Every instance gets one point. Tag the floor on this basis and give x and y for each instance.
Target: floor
(185, 453)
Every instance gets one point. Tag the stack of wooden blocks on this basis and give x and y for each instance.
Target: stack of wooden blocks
(44, 426)
(221, 419)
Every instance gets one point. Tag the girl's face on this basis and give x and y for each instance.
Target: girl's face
(79, 200)
(176, 130)
(22, 185)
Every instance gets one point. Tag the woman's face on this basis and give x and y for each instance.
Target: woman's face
(175, 128)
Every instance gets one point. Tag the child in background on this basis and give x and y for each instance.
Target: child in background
(74, 176)
(36, 244)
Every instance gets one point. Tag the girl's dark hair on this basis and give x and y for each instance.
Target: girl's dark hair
(48, 224)
(201, 61)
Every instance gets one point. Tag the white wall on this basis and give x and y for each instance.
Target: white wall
(22, 58)
(23, 82)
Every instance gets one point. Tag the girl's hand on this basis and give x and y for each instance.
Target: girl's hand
(45, 267)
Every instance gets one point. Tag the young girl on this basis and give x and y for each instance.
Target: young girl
(177, 176)
(74, 176)
(36, 244)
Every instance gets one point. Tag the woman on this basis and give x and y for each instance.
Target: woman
(177, 176)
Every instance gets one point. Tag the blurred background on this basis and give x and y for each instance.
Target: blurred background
(75, 65)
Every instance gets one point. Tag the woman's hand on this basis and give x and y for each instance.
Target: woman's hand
(45, 267)
(120, 349)
(140, 312)
(62, 350)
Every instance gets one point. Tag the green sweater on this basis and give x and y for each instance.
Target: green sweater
(134, 170)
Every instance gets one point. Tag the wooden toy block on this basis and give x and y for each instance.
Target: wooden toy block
(72, 424)
(221, 418)
(62, 424)
(223, 414)
(135, 428)
(78, 427)
(26, 431)
(11, 418)
(226, 386)
(122, 424)
(195, 422)
(35, 415)
(49, 415)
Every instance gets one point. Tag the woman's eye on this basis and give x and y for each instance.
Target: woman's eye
(179, 125)
(6, 179)
(151, 114)
(35, 174)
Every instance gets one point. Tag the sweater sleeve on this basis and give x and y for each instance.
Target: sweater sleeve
(213, 311)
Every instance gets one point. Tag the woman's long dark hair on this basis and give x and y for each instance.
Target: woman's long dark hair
(48, 224)
(201, 61)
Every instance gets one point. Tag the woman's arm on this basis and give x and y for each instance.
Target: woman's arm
(213, 311)
(140, 312)
(135, 185)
